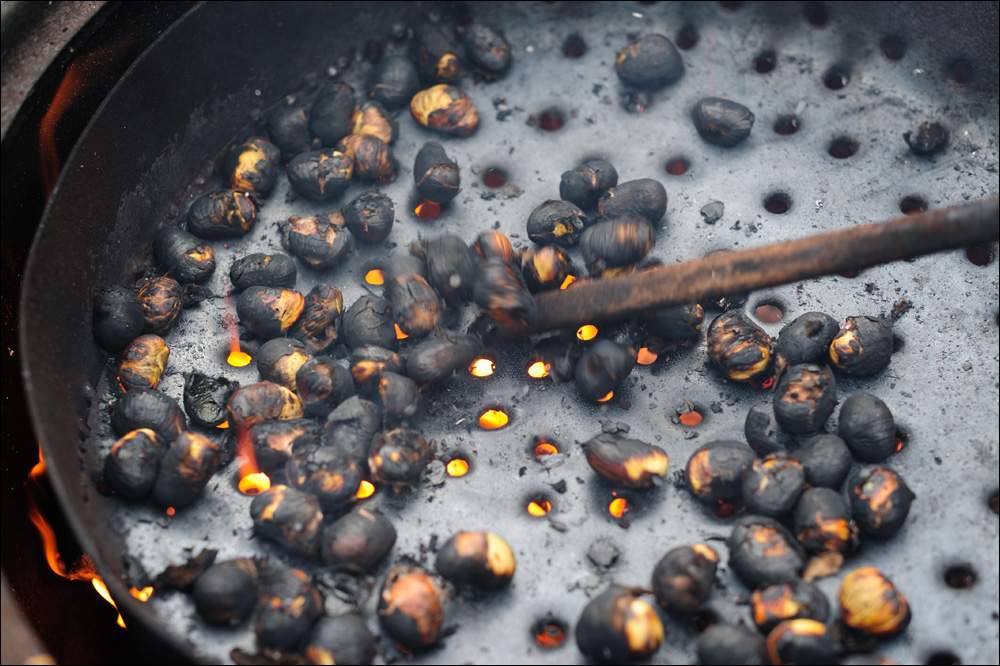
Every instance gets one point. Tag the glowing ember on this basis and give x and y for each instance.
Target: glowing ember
(171, 510)
(539, 507)
(545, 449)
(610, 395)
(254, 484)
(458, 467)
(618, 507)
(762, 385)
(238, 358)
(899, 442)
(366, 489)
(399, 333)
(482, 367)
(646, 357)
(492, 419)
(586, 332)
(427, 210)
(550, 636)
(568, 281)
(691, 418)
(375, 277)
(539, 370)
(142, 595)
(223, 425)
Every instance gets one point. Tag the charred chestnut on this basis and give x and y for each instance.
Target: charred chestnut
(437, 177)
(368, 362)
(409, 605)
(445, 109)
(268, 312)
(205, 398)
(871, 604)
(318, 240)
(370, 118)
(645, 198)
(253, 165)
(545, 268)
(721, 121)
(806, 339)
(344, 639)
(329, 475)
(676, 324)
(187, 466)
(400, 398)
(684, 577)
(880, 502)
(801, 641)
(222, 214)
(602, 367)
(762, 551)
(584, 185)
(436, 358)
(556, 222)
(415, 305)
(320, 175)
(772, 487)
(142, 362)
(351, 428)
(357, 541)
(558, 356)
(615, 243)
(825, 459)
(373, 158)
(493, 243)
(618, 626)
(739, 348)
(867, 427)
(289, 605)
(145, 408)
(330, 115)
(488, 50)
(763, 439)
(264, 270)
(318, 325)
(773, 604)
(731, 644)
(288, 128)
(929, 138)
(118, 318)
(451, 266)
(278, 361)
(501, 293)
(133, 462)
(255, 403)
(804, 398)
(715, 474)
(822, 522)
(629, 463)
(435, 53)
(398, 457)
(370, 216)
(863, 346)
(187, 258)
(288, 517)
(276, 442)
(650, 62)
(161, 299)
(226, 593)
(394, 82)
(482, 559)
(369, 321)
(322, 384)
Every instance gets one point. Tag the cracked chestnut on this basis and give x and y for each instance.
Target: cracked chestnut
(268, 312)
(398, 457)
(187, 466)
(409, 606)
(226, 594)
(558, 222)
(369, 321)
(370, 118)
(222, 214)
(142, 362)
(276, 442)
(545, 268)
(434, 51)
(368, 362)
(184, 256)
(871, 604)
(263, 270)
(133, 462)
(161, 299)
(318, 326)
(288, 517)
(320, 175)
(772, 487)
(446, 109)
(721, 121)
(867, 427)
(740, 349)
(322, 384)
(773, 604)
(253, 165)
(482, 559)
(863, 346)
(264, 401)
(278, 361)
(584, 185)
(370, 216)
(880, 501)
(602, 367)
(822, 522)
(684, 577)
(650, 62)
(357, 541)
(318, 240)
(804, 398)
(762, 551)
(373, 158)
(341, 639)
(629, 463)
(437, 176)
(617, 626)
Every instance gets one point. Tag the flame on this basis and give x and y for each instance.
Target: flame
(255, 483)
(366, 489)
(618, 507)
(223, 425)
(375, 277)
(610, 395)
(427, 210)
(691, 418)
(237, 357)
(458, 467)
(550, 636)
(570, 279)
(142, 595)
(399, 333)
(482, 367)
(252, 480)
(544, 448)
(646, 357)
(492, 419)
(539, 370)
(586, 332)
(539, 507)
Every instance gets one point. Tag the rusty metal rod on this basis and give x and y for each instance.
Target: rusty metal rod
(839, 252)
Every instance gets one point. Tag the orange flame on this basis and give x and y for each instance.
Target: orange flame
(237, 357)
(586, 332)
(482, 367)
(539, 370)
(366, 489)
(618, 507)
(171, 510)
(223, 425)
(646, 357)
(252, 480)
(610, 395)
(544, 448)
(399, 333)
(375, 277)
(567, 282)
(427, 210)
(539, 507)
(458, 467)
(142, 595)
(255, 483)
(492, 419)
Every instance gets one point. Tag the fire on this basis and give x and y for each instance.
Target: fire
(691, 418)
(551, 635)
(375, 277)
(539, 507)
(618, 507)
(610, 395)
(586, 332)
(252, 480)
(539, 370)
(458, 467)
(492, 419)
(223, 425)
(899, 443)
(254, 484)
(646, 357)
(237, 357)
(399, 333)
(570, 279)
(482, 367)
(427, 210)
(366, 489)
(171, 510)
(544, 448)
(142, 595)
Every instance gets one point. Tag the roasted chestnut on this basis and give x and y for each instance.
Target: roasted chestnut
(330, 115)
(602, 368)
(616, 243)
(276, 442)
(545, 268)
(617, 626)
(322, 384)
(320, 175)
(409, 605)
(351, 426)
(289, 605)
(222, 214)
(226, 594)
(373, 158)
(867, 427)
(488, 50)
(762, 438)
(268, 312)
(801, 641)
(255, 403)
(264, 270)
(142, 362)
(187, 466)
(629, 463)
(342, 639)
(871, 604)
(145, 408)
(205, 398)
(369, 321)
(721, 121)
(436, 358)
(493, 243)
(187, 258)
(806, 339)
(318, 240)
(370, 216)
(929, 138)
(684, 577)
(739, 348)
(288, 128)
(804, 398)
(825, 459)
(556, 222)
(584, 185)
(727, 644)
(368, 362)
(762, 551)
(880, 501)
(644, 198)
(253, 165)
(370, 118)
(133, 462)
(329, 475)
(415, 305)
(676, 324)
(278, 361)
(555, 357)
(288, 517)
(445, 109)
(394, 82)
(822, 522)
(400, 398)
(451, 266)
(863, 346)
(500, 292)
(773, 604)
(650, 62)
(357, 541)
(398, 457)
(318, 325)
(482, 559)
(118, 317)
(772, 487)
(434, 51)
(715, 474)
(436, 175)
(161, 299)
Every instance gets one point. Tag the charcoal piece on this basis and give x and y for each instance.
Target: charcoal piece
(500, 292)
(288, 127)
(322, 384)
(880, 501)
(825, 459)
(822, 522)
(161, 299)
(584, 185)
(288, 517)
(330, 115)
(370, 216)
(141, 364)
(683, 578)
(650, 62)
(264, 270)
(928, 139)
(409, 606)
(676, 324)
(715, 474)
(451, 266)
(482, 559)
(863, 346)
(445, 109)
(772, 487)
(278, 361)
(369, 321)
(133, 462)
(398, 457)
(806, 339)
(628, 463)
(145, 408)
(394, 82)
(187, 466)
(185, 257)
(487, 49)
(435, 53)
(436, 358)
(802, 641)
(264, 401)
(289, 605)
(327, 474)
(773, 604)
(740, 349)
(545, 268)
(617, 626)
(205, 398)
(268, 312)
(721, 121)
(351, 427)
(760, 436)
(318, 327)
(222, 214)
(762, 551)
(731, 644)
(320, 175)
(558, 222)
(226, 594)
(615, 243)
(867, 427)
(342, 639)
(118, 317)
(437, 176)
(712, 212)
(278, 441)
(602, 367)
(318, 240)
(253, 165)
(804, 398)
(373, 158)
(358, 541)
(368, 362)
(644, 198)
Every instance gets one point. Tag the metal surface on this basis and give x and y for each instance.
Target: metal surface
(135, 169)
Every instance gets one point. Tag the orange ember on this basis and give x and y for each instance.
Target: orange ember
(539, 507)
(399, 333)
(618, 507)
(691, 418)
(586, 332)
(646, 357)
(223, 425)
(567, 282)
(482, 367)
(375, 277)
(458, 467)
(171, 510)
(492, 419)
(254, 484)
(610, 395)
(366, 489)
(238, 358)
(427, 210)
(545, 449)
(899, 443)
(550, 636)
(539, 370)
(142, 595)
